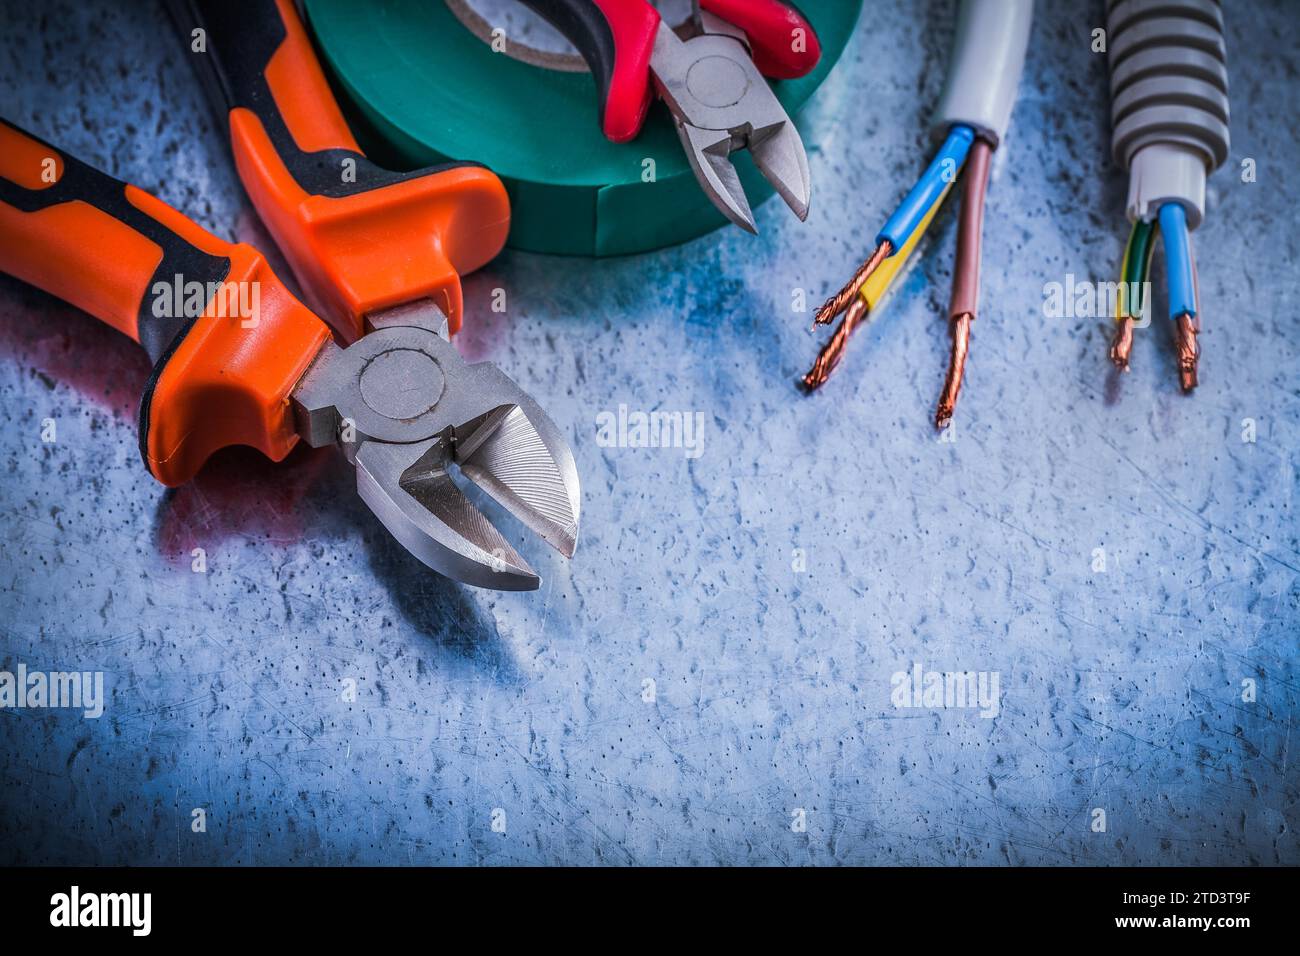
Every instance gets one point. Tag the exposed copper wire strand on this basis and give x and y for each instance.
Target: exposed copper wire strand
(1121, 347)
(1189, 348)
(960, 328)
(833, 350)
(1188, 351)
(964, 304)
(841, 300)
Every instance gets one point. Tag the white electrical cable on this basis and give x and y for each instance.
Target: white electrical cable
(987, 57)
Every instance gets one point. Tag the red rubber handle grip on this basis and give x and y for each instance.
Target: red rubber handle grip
(616, 38)
(783, 42)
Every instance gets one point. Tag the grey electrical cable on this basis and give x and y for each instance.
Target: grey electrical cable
(988, 55)
(1169, 100)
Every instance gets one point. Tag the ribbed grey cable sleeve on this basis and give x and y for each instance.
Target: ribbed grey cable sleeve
(1169, 99)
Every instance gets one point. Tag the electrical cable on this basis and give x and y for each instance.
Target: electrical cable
(1139, 264)
(1132, 299)
(934, 182)
(964, 305)
(871, 293)
(971, 119)
(1181, 272)
(881, 283)
(840, 300)
(1178, 260)
(1169, 129)
(966, 273)
(899, 227)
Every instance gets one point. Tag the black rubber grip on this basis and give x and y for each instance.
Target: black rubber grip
(239, 40)
(584, 25)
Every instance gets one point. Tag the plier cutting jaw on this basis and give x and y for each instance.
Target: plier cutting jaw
(720, 103)
(712, 80)
(408, 412)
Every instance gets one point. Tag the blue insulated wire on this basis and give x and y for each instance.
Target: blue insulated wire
(1178, 260)
(928, 190)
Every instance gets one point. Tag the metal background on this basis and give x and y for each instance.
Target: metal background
(1121, 690)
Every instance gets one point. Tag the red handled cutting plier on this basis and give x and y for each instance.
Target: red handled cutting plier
(711, 78)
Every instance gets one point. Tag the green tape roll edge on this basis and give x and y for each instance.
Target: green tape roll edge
(421, 89)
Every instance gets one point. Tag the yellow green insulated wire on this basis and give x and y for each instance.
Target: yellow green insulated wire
(1135, 269)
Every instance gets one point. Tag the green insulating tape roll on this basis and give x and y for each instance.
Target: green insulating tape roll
(421, 89)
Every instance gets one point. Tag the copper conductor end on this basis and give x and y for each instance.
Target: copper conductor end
(841, 300)
(964, 302)
(833, 350)
(1188, 351)
(960, 329)
(1122, 346)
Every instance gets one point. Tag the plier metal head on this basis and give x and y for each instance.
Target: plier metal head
(710, 73)
(720, 103)
(411, 414)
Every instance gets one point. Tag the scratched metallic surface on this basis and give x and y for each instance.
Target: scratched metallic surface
(1121, 690)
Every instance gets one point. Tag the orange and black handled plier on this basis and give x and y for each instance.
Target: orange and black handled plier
(238, 360)
(360, 239)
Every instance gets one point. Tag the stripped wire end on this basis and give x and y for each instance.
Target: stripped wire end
(1183, 290)
(1189, 351)
(829, 357)
(1133, 289)
(842, 300)
(960, 329)
(1121, 347)
(964, 302)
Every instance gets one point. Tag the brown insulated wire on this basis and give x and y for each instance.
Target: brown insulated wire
(966, 275)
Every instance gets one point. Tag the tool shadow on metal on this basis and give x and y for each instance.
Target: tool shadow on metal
(241, 494)
(58, 343)
(441, 610)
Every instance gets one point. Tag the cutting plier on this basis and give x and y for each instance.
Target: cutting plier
(378, 253)
(711, 77)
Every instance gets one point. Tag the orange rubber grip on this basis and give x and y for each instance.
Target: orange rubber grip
(228, 340)
(359, 238)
